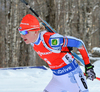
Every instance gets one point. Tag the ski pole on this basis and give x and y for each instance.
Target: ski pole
(95, 78)
(45, 23)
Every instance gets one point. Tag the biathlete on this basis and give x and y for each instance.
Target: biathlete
(53, 49)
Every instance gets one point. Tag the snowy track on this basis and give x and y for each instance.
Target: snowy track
(35, 79)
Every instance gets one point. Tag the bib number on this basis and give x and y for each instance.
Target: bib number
(81, 82)
(67, 58)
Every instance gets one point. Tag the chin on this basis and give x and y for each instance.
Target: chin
(27, 42)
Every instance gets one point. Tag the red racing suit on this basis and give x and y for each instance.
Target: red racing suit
(52, 48)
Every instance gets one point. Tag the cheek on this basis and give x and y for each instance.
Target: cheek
(31, 38)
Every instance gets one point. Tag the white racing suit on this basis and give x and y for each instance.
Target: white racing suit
(71, 81)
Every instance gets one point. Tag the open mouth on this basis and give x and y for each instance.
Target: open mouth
(25, 39)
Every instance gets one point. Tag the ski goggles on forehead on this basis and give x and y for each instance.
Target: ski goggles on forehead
(24, 32)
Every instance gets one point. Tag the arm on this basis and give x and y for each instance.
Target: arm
(74, 42)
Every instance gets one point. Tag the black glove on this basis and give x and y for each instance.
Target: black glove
(90, 74)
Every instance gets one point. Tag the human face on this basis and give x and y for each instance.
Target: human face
(30, 37)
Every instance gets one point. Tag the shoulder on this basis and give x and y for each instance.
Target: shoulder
(56, 40)
(53, 40)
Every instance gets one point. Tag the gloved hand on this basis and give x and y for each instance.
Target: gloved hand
(90, 74)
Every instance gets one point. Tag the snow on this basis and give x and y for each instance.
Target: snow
(95, 7)
(35, 79)
(24, 80)
(96, 49)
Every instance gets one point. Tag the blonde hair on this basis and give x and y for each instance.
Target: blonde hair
(42, 27)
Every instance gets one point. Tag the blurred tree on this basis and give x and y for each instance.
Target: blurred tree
(79, 18)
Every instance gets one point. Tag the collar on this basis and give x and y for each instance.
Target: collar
(37, 40)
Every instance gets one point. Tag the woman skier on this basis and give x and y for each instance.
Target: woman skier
(53, 49)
